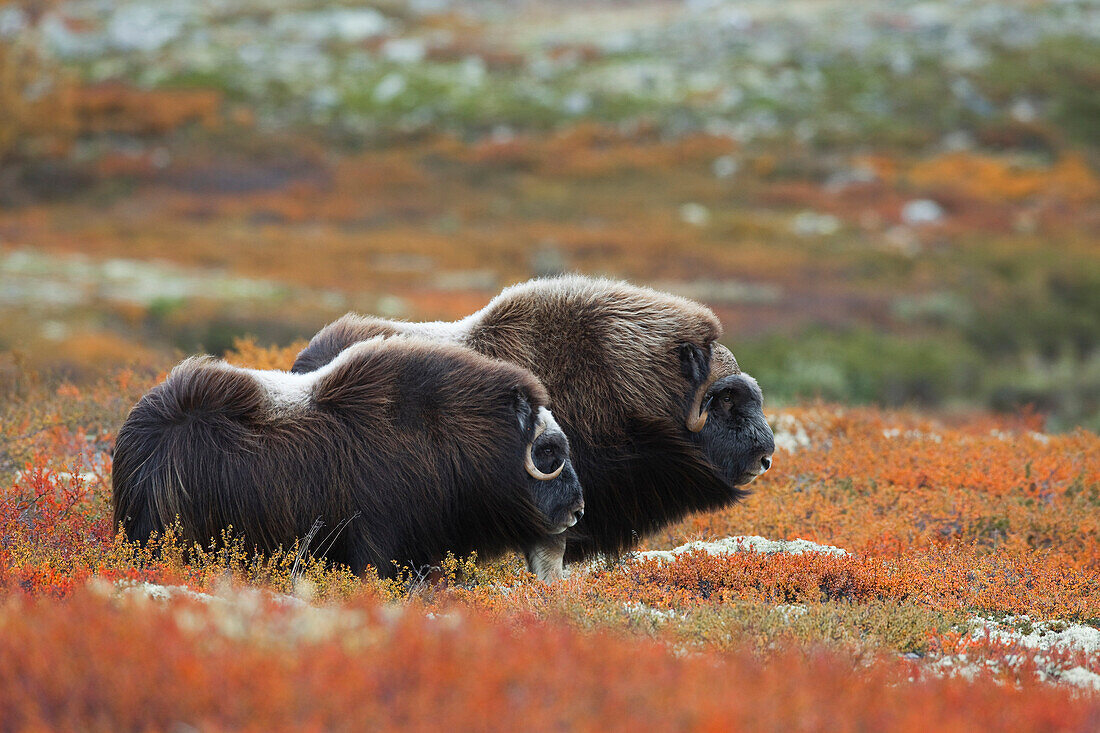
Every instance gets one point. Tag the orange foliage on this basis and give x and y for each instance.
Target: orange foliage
(588, 151)
(943, 578)
(262, 667)
(994, 179)
(105, 349)
(980, 193)
(414, 219)
(868, 481)
(37, 103)
(114, 107)
(247, 353)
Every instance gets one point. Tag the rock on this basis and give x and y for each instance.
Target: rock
(12, 21)
(957, 140)
(1024, 110)
(921, 211)
(404, 50)
(694, 214)
(143, 28)
(814, 224)
(842, 179)
(345, 24)
(390, 88)
(724, 166)
(576, 103)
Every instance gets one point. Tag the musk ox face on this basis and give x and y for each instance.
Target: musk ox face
(726, 415)
(736, 437)
(551, 478)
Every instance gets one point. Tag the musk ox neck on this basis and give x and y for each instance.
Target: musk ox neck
(635, 488)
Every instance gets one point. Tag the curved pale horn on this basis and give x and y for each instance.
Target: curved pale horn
(529, 462)
(697, 418)
(698, 423)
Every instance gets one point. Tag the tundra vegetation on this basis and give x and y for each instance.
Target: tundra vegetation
(892, 209)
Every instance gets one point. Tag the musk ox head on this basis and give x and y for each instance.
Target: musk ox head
(726, 414)
(550, 475)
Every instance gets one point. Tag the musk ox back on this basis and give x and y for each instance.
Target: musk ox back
(660, 418)
(403, 448)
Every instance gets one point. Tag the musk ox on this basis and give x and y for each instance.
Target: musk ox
(405, 449)
(660, 418)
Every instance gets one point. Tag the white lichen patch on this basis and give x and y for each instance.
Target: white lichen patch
(891, 433)
(1042, 635)
(656, 616)
(250, 614)
(790, 434)
(154, 592)
(1080, 677)
(59, 476)
(1048, 645)
(744, 543)
(790, 611)
(31, 276)
(1041, 438)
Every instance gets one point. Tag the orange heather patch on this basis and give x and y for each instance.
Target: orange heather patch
(955, 578)
(247, 353)
(869, 481)
(119, 108)
(269, 667)
(992, 179)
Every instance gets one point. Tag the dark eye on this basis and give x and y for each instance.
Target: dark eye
(727, 398)
(546, 451)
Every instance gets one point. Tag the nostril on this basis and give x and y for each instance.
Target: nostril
(766, 462)
(578, 514)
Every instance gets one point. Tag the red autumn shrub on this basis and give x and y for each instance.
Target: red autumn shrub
(258, 665)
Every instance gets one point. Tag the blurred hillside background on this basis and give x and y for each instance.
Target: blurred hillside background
(889, 202)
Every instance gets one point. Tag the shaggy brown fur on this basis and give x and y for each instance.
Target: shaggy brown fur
(405, 449)
(629, 369)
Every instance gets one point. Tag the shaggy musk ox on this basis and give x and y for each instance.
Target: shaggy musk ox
(404, 448)
(660, 418)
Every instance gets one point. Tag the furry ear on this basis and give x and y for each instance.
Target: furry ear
(524, 412)
(694, 363)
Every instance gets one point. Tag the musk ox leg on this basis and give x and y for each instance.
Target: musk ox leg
(547, 558)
